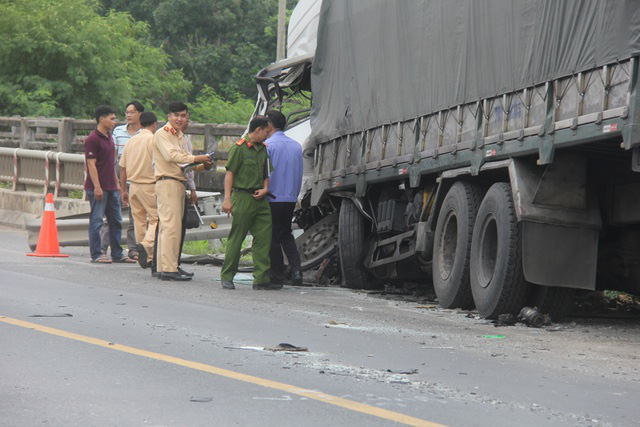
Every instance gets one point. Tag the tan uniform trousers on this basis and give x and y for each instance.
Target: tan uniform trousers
(170, 195)
(142, 202)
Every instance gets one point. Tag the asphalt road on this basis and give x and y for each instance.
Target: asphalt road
(109, 345)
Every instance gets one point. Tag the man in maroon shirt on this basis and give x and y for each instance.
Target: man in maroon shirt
(102, 187)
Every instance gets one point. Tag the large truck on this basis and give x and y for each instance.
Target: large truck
(488, 147)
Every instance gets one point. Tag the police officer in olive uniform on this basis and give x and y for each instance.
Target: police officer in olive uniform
(245, 186)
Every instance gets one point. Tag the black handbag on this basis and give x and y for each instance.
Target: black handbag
(192, 219)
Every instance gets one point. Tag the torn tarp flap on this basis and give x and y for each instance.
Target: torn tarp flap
(380, 62)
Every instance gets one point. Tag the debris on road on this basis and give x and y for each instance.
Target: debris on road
(505, 320)
(286, 347)
(253, 348)
(335, 323)
(52, 315)
(403, 372)
(532, 317)
(200, 399)
(607, 304)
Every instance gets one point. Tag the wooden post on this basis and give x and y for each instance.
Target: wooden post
(210, 142)
(66, 135)
(26, 134)
(15, 131)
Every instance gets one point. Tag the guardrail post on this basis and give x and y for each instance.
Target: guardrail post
(26, 134)
(66, 135)
(17, 186)
(210, 142)
(15, 130)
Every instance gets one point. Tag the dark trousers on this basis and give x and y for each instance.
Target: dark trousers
(282, 241)
(184, 231)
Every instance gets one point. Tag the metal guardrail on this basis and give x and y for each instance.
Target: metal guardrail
(47, 169)
(68, 134)
(74, 232)
(63, 172)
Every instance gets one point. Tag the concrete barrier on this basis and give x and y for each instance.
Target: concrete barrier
(33, 203)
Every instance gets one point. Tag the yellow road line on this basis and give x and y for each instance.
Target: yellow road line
(311, 394)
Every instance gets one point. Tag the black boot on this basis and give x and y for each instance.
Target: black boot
(184, 273)
(296, 278)
(174, 276)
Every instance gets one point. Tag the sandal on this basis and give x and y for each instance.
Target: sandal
(133, 257)
(103, 259)
(125, 260)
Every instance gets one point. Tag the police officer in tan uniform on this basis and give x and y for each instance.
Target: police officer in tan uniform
(169, 152)
(136, 169)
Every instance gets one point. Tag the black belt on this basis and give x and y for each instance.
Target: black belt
(167, 177)
(246, 190)
(251, 191)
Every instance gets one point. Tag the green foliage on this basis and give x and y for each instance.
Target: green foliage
(221, 44)
(60, 57)
(210, 107)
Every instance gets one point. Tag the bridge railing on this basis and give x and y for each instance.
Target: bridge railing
(49, 170)
(67, 134)
(37, 152)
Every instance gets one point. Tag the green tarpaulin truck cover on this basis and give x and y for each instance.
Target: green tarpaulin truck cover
(383, 61)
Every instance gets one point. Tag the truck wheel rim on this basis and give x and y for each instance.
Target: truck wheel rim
(448, 245)
(488, 251)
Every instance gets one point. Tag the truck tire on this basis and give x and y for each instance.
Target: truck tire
(497, 278)
(452, 245)
(552, 300)
(351, 239)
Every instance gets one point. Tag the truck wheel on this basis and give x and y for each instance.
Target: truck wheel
(497, 279)
(552, 300)
(452, 245)
(351, 238)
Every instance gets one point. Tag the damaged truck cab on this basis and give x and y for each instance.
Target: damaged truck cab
(452, 143)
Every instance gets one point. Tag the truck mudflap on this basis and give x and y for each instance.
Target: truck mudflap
(560, 221)
(555, 255)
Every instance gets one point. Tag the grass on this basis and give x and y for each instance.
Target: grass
(201, 247)
(6, 184)
(196, 247)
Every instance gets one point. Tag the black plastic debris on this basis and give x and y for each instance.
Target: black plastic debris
(505, 320)
(283, 346)
(200, 399)
(52, 315)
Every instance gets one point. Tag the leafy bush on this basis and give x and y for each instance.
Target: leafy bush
(61, 58)
(210, 107)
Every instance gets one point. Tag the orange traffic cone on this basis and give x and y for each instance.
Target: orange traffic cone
(48, 245)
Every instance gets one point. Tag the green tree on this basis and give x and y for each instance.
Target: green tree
(210, 107)
(218, 43)
(61, 57)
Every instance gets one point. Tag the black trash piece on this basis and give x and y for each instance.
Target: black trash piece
(507, 319)
(532, 317)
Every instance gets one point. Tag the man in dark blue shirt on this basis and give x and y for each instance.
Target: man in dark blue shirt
(285, 181)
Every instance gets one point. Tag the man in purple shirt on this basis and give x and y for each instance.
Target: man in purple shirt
(284, 183)
(102, 187)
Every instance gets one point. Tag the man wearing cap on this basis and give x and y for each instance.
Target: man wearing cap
(246, 184)
(169, 152)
